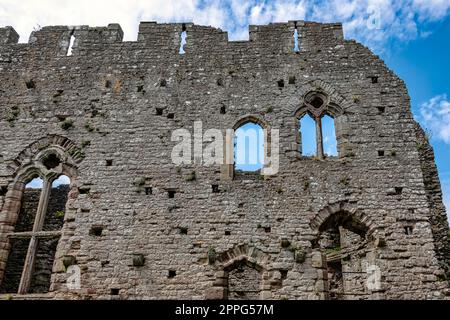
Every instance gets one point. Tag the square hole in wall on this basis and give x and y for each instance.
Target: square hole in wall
(183, 230)
(109, 162)
(140, 88)
(170, 115)
(223, 110)
(163, 82)
(280, 83)
(381, 153)
(148, 190)
(96, 231)
(115, 291)
(84, 190)
(171, 193)
(215, 188)
(107, 84)
(381, 110)
(374, 79)
(398, 190)
(172, 274)
(159, 111)
(267, 229)
(228, 233)
(219, 82)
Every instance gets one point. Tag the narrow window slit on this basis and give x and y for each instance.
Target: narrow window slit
(71, 43)
(296, 46)
(183, 39)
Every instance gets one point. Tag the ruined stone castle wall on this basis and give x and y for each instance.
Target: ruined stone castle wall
(117, 103)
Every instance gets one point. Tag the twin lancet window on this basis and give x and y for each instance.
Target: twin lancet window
(317, 127)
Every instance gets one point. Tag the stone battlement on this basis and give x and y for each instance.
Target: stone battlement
(166, 36)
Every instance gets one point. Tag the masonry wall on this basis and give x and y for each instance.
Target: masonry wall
(120, 101)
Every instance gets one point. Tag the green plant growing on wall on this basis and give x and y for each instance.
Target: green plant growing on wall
(306, 185)
(12, 116)
(85, 143)
(336, 249)
(59, 214)
(191, 176)
(89, 127)
(67, 124)
(212, 255)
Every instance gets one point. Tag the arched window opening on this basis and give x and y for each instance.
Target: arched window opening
(342, 241)
(35, 237)
(329, 136)
(249, 148)
(244, 282)
(308, 136)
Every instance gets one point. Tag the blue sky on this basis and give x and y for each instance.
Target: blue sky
(412, 36)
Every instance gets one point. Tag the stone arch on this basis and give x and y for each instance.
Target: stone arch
(249, 257)
(249, 118)
(336, 102)
(31, 163)
(345, 246)
(65, 147)
(343, 209)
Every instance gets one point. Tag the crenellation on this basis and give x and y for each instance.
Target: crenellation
(8, 36)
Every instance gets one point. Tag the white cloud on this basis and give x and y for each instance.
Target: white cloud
(401, 20)
(435, 114)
